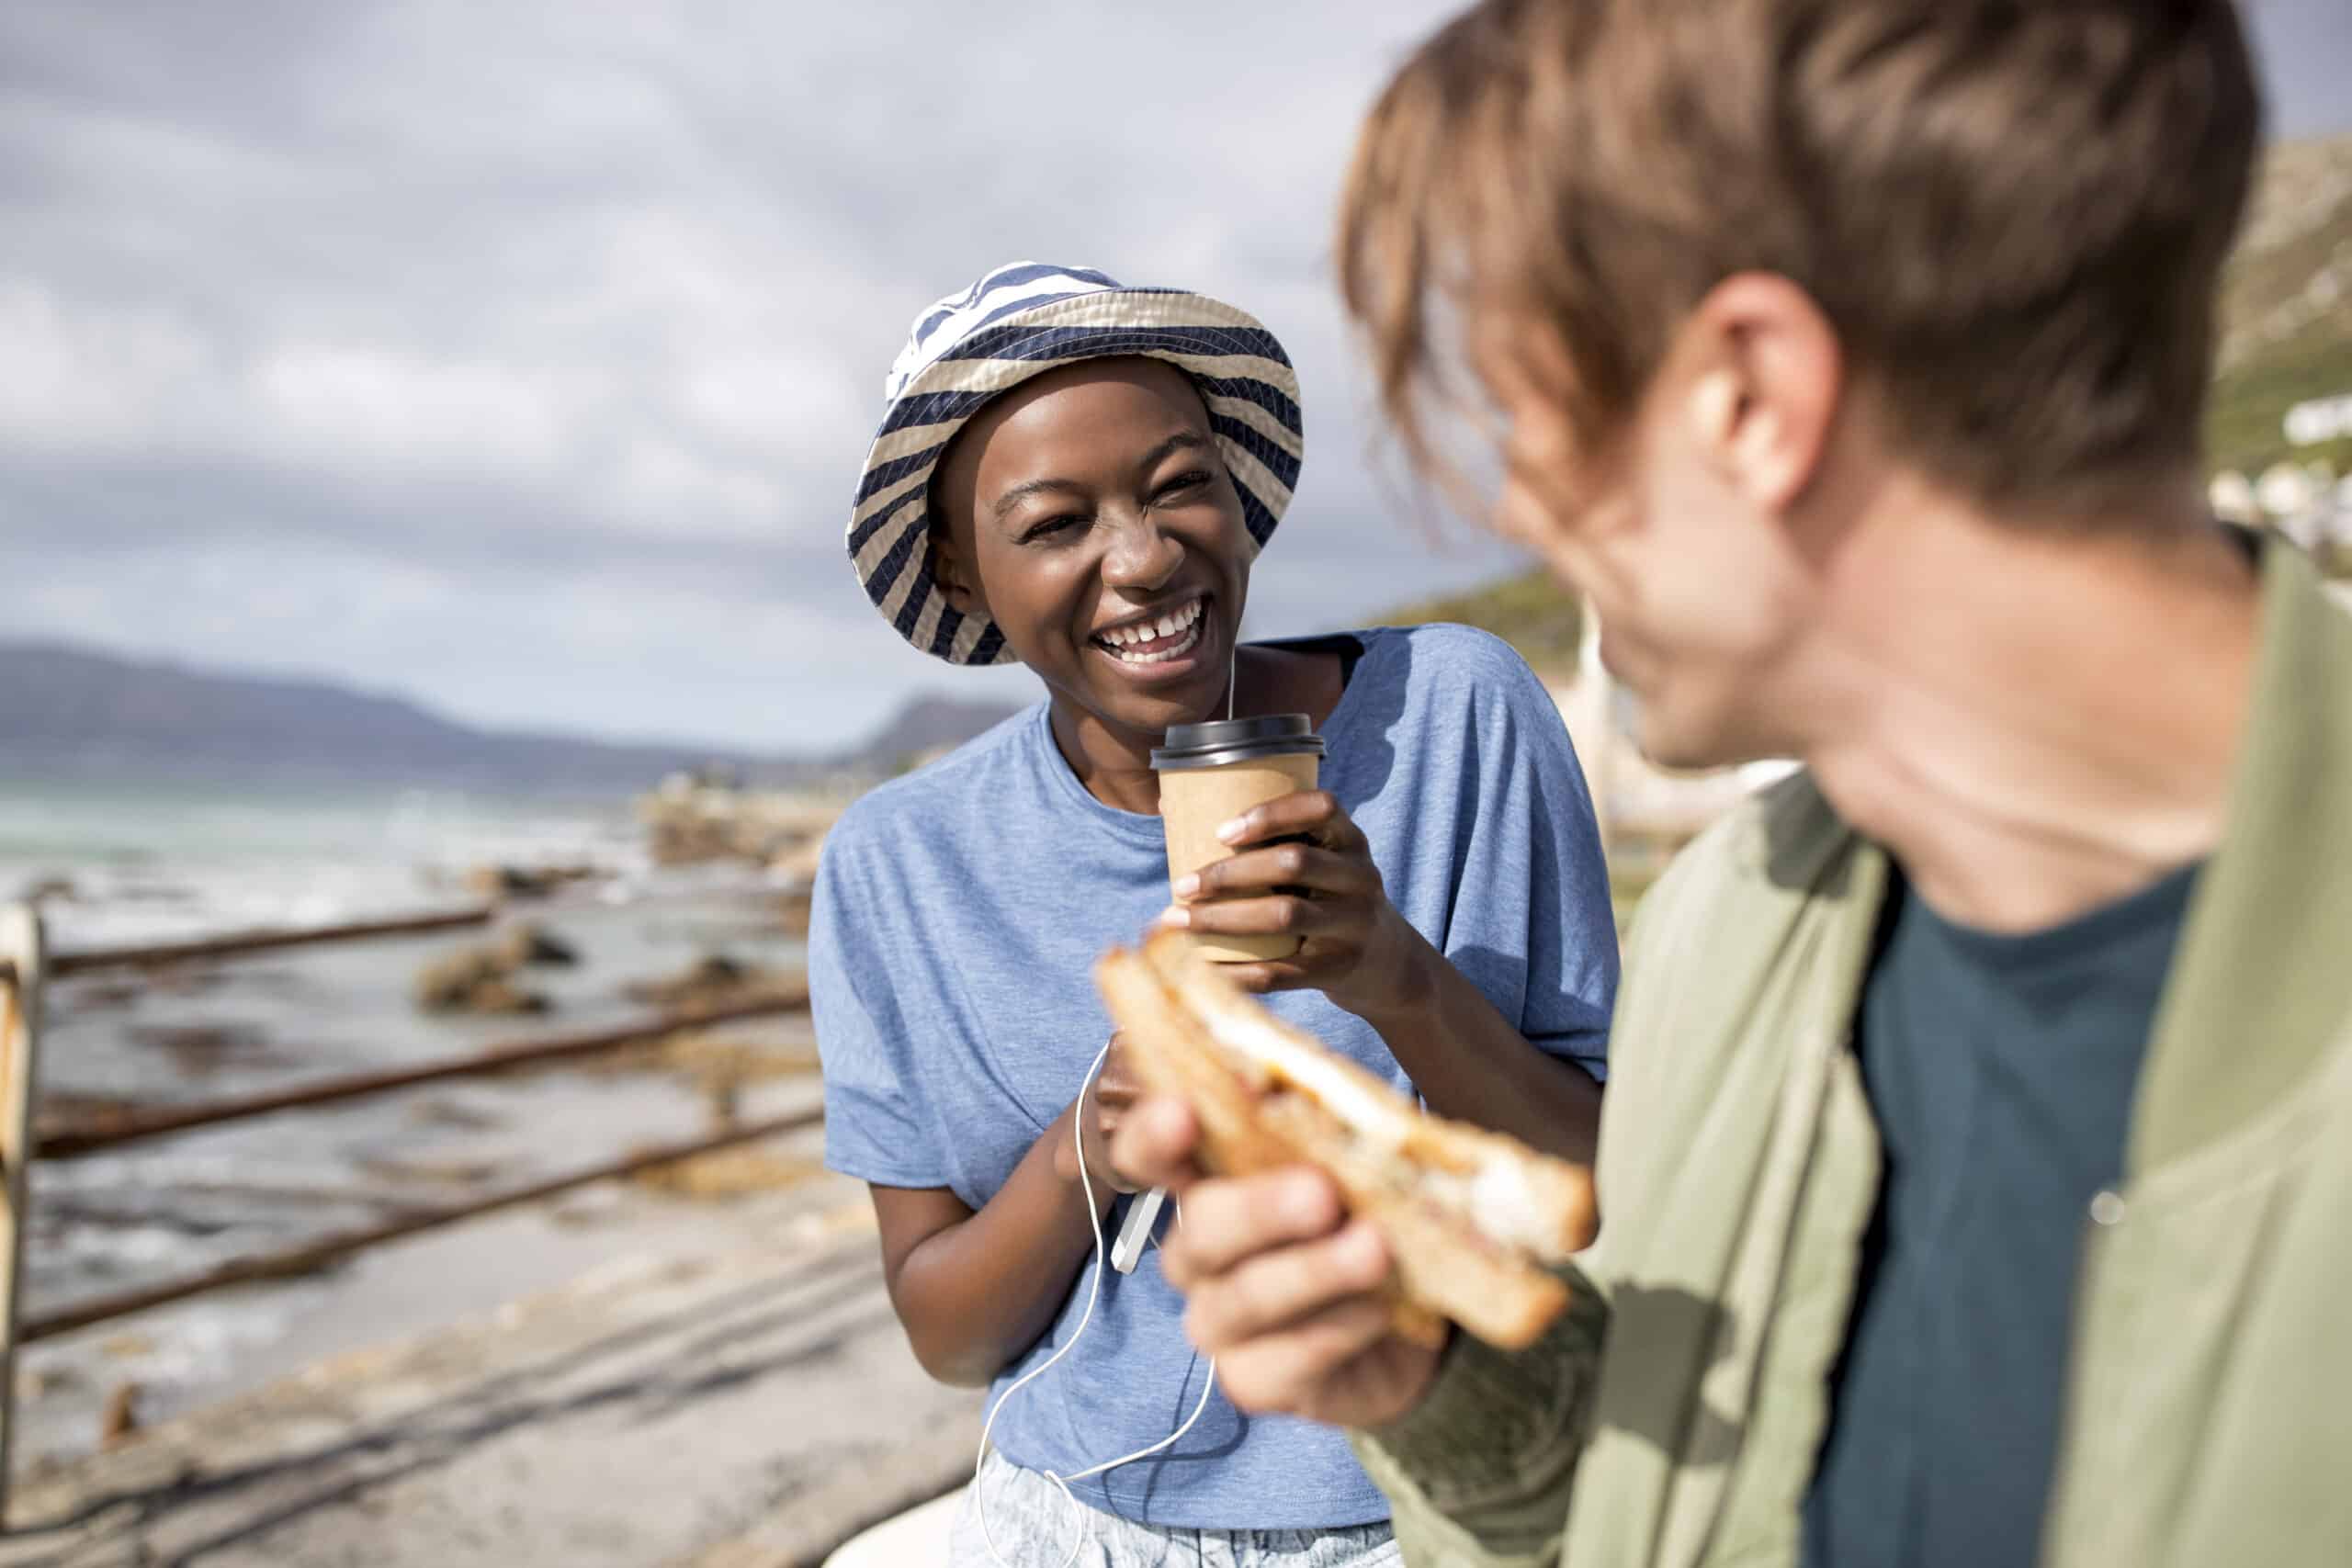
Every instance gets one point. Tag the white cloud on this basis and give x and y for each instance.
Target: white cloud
(87, 381)
(369, 406)
(463, 348)
(456, 348)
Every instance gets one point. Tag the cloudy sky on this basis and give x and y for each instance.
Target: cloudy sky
(519, 355)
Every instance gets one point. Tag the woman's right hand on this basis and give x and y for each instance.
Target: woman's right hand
(975, 1288)
(1100, 1111)
(1281, 1287)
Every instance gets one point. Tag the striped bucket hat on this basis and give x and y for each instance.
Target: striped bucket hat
(1022, 321)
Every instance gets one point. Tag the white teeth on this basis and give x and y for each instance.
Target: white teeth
(1167, 626)
(1181, 648)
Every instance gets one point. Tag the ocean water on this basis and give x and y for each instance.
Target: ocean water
(142, 862)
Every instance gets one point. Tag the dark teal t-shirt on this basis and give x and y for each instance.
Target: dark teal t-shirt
(2000, 1070)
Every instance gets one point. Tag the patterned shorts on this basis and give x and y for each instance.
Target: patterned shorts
(1034, 1525)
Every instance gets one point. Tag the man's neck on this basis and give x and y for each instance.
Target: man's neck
(2044, 720)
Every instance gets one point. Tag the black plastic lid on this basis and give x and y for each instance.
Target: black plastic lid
(1221, 741)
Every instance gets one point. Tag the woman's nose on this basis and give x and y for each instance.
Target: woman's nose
(1142, 555)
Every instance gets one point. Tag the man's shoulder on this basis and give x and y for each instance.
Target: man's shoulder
(1775, 885)
(1728, 977)
(1778, 849)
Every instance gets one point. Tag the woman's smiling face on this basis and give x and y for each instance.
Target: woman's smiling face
(1088, 511)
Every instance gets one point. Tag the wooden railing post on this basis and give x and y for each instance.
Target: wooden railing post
(20, 946)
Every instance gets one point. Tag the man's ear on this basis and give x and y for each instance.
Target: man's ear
(1762, 372)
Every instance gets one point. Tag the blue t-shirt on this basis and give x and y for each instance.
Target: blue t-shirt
(959, 909)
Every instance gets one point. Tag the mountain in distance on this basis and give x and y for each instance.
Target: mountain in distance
(72, 711)
(927, 723)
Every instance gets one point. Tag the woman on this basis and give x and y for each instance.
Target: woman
(1077, 476)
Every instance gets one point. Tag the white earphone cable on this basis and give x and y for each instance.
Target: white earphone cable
(1093, 1293)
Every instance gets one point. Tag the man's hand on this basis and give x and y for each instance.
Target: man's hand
(1283, 1292)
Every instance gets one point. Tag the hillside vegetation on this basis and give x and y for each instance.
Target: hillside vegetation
(2287, 308)
(1532, 613)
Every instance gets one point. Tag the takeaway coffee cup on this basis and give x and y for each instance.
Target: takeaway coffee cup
(1211, 774)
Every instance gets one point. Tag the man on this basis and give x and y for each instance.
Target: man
(1979, 1131)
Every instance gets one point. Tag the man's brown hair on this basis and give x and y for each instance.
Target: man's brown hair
(2014, 213)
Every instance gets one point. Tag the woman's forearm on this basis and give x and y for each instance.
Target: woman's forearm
(1470, 1063)
(976, 1294)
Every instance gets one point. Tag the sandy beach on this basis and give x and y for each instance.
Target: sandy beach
(745, 1401)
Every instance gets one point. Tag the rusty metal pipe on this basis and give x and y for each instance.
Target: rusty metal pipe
(90, 1135)
(309, 1257)
(236, 943)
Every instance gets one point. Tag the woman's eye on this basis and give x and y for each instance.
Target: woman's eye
(1046, 528)
(1181, 483)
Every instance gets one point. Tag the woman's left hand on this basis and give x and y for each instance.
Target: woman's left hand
(1321, 885)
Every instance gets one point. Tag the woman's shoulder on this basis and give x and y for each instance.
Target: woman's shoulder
(1443, 658)
(926, 799)
(1451, 640)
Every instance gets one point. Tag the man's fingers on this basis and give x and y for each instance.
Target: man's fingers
(1154, 1142)
(1291, 1372)
(1277, 1289)
(1223, 1223)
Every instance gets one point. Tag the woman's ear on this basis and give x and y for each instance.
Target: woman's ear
(949, 569)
